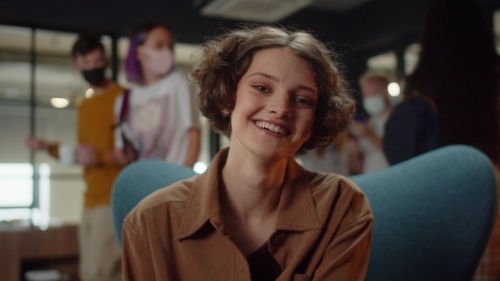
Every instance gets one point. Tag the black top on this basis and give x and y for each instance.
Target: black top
(412, 129)
(263, 267)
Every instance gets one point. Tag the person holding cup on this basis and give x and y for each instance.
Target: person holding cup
(100, 257)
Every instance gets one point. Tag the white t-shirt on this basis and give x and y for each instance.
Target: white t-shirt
(159, 118)
(374, 158)
(324, 160)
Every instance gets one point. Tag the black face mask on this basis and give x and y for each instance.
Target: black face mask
(95, 76)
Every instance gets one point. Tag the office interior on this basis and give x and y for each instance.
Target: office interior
(39, 91)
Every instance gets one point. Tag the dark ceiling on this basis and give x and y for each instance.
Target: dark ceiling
(373, 23)
(369, 27)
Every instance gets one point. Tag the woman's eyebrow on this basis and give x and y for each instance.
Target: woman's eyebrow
(265, 75)
(302, 87)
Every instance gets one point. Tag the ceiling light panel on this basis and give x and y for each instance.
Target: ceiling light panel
(267, 11)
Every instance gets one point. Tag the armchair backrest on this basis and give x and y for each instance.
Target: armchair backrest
(137, 181)
(433, 213)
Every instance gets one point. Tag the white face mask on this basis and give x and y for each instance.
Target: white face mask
(374, 105)
(159, 62)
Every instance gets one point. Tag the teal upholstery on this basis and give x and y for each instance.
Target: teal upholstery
(433, 213)
(137, 181)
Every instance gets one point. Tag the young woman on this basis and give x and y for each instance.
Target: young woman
(256, 214)
(161, 120)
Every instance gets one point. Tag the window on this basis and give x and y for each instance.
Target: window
(15, 185)
(53, 77)
(16, 194)
(386, 62)
(411, 55)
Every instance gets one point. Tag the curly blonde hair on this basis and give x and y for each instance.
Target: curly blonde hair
(226, 59)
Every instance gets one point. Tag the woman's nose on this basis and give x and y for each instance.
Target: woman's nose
(280, 106)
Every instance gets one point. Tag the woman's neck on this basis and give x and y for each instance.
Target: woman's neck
(251, 188)
(149, 78)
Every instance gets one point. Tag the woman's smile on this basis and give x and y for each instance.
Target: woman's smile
(273, 128)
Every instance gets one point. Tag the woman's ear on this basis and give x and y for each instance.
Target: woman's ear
(226, 112)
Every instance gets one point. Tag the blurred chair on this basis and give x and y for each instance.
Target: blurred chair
(137, 181)
(433, 213)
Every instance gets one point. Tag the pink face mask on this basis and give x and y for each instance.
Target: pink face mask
(159, 61)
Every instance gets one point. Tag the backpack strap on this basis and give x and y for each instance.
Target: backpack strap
(125, 107)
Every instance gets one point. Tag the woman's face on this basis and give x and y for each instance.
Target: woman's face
(275, 104)
(159, 38)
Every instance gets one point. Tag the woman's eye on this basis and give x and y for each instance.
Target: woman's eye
(304, 101)
(160, 45)
(261, 88)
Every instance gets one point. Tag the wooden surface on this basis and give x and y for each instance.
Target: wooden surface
(54, 248)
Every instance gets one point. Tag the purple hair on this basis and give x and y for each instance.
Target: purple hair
(138, 37)
(132, 65)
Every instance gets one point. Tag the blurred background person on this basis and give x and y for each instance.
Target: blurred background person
(162, 121)
(100, 257)
(366, 135)
(328, 159)
(452, 97)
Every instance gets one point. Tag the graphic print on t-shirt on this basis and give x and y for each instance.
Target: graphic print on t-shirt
(150, 126)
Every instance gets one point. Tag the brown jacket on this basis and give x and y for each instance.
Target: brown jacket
(322, 232)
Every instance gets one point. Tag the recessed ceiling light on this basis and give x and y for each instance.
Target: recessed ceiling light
(59, 102)
(393, 89)
(252, 10)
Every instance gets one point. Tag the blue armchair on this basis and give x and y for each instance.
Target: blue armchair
(433, 213)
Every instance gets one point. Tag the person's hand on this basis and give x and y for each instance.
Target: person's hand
(85, 155)
(354, 155)
(121, 158)
(352, 146)
(359, 128)
(36, 144)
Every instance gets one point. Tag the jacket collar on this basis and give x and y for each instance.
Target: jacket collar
(296, 208)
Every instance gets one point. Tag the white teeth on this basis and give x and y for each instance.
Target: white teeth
(271, 127)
